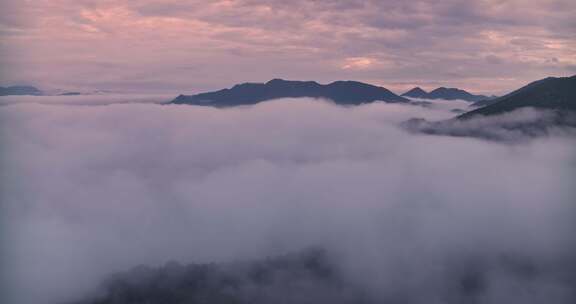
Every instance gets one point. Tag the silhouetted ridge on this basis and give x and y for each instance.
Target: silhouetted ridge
(416, 92)
(341, 92)
(306, 277)
(557, 94)
(541, 108)
(19, 90)
(312, 277)
(444, 93)
(454, 93)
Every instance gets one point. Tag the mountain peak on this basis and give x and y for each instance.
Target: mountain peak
(276, 81)
(282, 82)
(453, 94)
(416, 92)
(444, 93)
(445, 89)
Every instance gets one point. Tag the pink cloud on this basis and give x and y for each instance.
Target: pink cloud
(197, 45)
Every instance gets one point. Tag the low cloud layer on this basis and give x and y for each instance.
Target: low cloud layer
(86, 100)
(96, 189)
(484, 46)
(523, 124)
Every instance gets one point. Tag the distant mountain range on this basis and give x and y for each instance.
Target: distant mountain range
(445, 93)
(552, 93)
(70, 94)
(340, 92)
(33, 91)
(19, 90)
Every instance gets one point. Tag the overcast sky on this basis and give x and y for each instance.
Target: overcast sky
(178, 46)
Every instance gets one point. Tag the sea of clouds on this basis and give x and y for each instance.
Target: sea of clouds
(90, 190)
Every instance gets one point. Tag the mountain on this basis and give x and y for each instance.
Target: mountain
(341, 92)
(19, 90)
(444, 93)
(311, 276)
(484, 102)
(416, 92)
(543, 107)
(453, 93)
(298, 278)
(556, 94)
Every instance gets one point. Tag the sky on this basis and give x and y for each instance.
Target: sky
(177, 46)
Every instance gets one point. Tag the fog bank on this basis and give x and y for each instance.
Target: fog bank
(92, 190)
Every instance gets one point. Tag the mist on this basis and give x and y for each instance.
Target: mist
(86, 99)
(520, 125)
(91, 190)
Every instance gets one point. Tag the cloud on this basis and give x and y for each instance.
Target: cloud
(86, 100)
(523, 124)
(90, 190)
(358, 63)
(229, 42)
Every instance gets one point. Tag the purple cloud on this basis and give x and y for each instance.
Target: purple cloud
(149, 45)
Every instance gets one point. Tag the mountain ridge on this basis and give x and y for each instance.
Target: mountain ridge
(20, 90)
(551, 93)
(540, 108)
(444, 93)
(340, 92)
